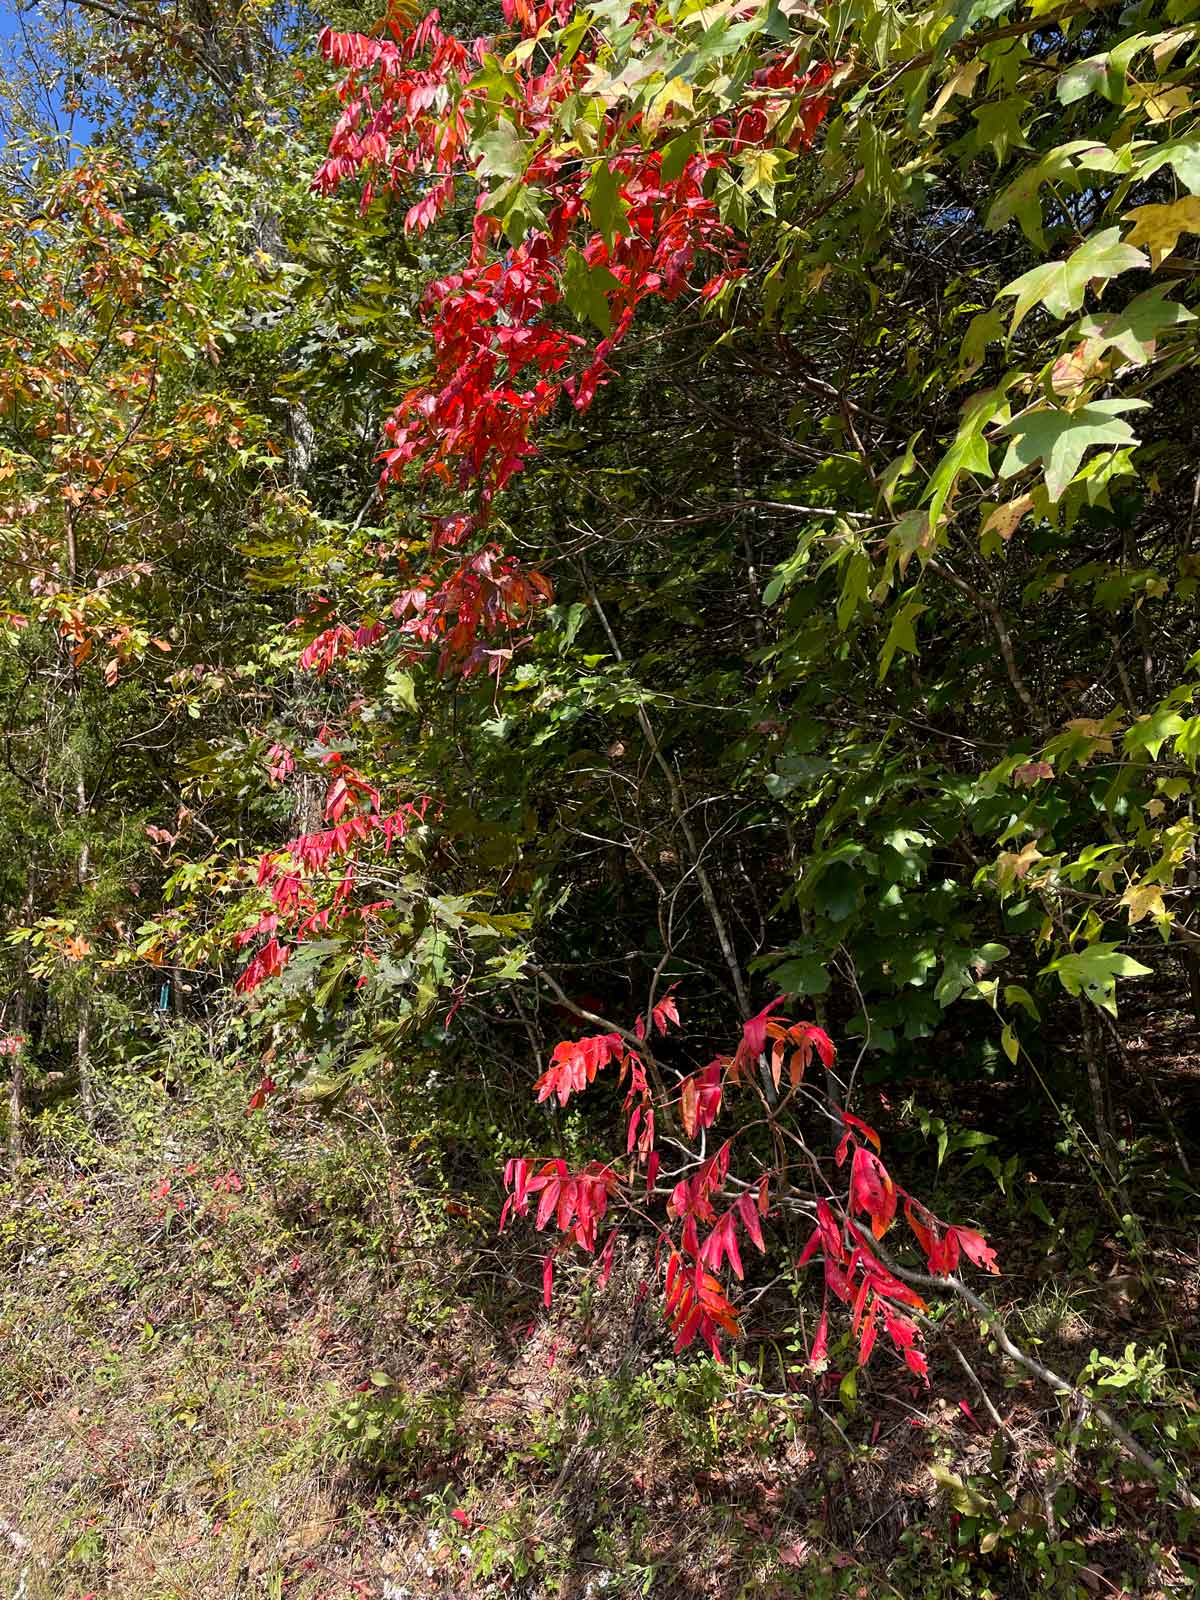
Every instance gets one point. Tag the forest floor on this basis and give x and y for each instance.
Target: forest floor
(276, 1367)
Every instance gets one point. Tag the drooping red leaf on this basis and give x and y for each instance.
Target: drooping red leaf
(820, 1344)
(872, 1191)
(606, 1258)
(865, 1129)
(748, 1216)
(976, 1247)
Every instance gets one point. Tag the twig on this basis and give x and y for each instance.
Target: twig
(1169, 1480)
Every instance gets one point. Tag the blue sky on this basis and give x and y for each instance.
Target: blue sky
(10, 30)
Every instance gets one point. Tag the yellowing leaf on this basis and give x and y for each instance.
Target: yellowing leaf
(1004, 520)
(1143, 900)
(760, 171)
(961, 82)
(1159, 227)
(1160, 105)
(1012, 866)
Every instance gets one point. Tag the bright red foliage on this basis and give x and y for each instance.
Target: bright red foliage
(296, 877)
(705, 1226)
(502, 361)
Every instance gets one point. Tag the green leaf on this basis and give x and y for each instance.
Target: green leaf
(1016, 995)
(848, 1390)
(966, 1501)
(1061, 285)
(1187, 741)
(901, 635)
(400, 688)
(605, 206)
(517, 205)
(500, 152)
(678, 152)
(1020, 200)
(999, 126)
(803, 976)
(1093, 973)
(1152, 732)
(1106, 74)
(1081, 79)
(1182, 154)
(967, 13)
(968, 453)
(984, 329)
(855, 585)
(1135, 330)
(1060, 439)
(837, 892)
(586, 289)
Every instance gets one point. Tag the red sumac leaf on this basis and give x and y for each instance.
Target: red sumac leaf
(872, 1190)
(749, 1219)
(820, 1344)
(867, 1132)
(977, 1248)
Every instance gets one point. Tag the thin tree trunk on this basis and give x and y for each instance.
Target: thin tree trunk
(83, 1039)
(1190, 955)
(83, 1061)
(1094, 1064)
(16, 1092)
(675, 797)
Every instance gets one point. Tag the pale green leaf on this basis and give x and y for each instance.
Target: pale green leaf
(1061, 285)
(1060, 439)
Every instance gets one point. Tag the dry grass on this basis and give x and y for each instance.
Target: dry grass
(174, 1386)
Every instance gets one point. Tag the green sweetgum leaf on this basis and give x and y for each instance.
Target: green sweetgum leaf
(1061, 285)
(1060, 439)
(586, 289)
(1135, 330)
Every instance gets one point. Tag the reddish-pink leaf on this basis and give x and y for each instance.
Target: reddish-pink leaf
(820, 1344)
(631, 1136)
(665, 1012)
(547, 1204)
(977, 1248)
(689, 1100)
(749, 1219)
(754, 1032)
(917, 1364)
(868, 1133)
(548, 1281)
(872, 1190)
(866, 1343)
